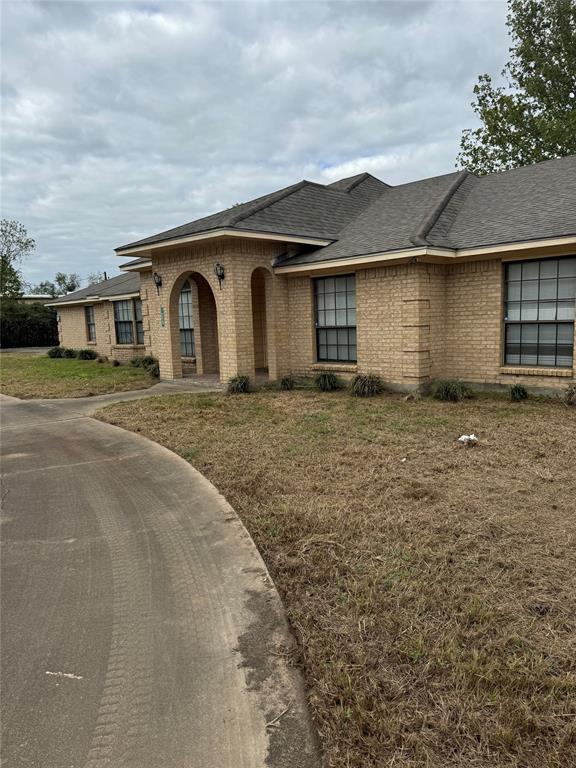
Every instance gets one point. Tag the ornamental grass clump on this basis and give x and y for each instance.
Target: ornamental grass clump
(238, 385)
(326, 381)
(451, 391)
(286, 383)
(518, 393)
(367, 385)
(570, 395)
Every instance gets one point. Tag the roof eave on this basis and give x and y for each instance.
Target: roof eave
(225, 232)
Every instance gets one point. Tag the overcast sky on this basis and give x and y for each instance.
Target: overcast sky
(121, 119)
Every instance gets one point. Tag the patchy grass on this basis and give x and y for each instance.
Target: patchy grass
(29, 376)
(432, 586)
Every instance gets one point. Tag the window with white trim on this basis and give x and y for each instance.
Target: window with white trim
(90, 323)
(539, 312)
(128, 321)
(335, 310)
(186, 321)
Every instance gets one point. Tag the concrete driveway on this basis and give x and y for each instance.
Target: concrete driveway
(139, 625)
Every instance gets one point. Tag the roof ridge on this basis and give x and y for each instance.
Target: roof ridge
(272, 198)
(419, 237)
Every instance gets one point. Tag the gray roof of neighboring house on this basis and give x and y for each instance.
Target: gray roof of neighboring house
(305, 209)
(116, 286)
(361, 215)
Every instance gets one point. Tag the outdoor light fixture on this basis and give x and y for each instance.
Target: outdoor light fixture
(219, 272)
(157, 281)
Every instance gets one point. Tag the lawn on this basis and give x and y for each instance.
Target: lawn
(38, 376)
(432, 586)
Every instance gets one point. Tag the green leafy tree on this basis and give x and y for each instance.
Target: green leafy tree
(94, 278)
(534, 118)
(66, 283)
(15, 245)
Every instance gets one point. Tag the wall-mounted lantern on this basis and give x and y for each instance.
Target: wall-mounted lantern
(157, 282)
(220, 273)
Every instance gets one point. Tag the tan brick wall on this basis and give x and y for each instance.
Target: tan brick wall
(233, 304)
(419, 322)
(474, 330)
(73, 332)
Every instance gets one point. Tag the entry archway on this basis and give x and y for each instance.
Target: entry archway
(194, 326)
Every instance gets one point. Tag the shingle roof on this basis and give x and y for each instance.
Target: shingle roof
(120, 285)
(305, 209)
(361, 215)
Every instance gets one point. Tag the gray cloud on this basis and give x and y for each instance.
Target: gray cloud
(123, 118)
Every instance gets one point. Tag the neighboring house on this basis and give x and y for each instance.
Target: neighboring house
(450, 277)
(34, 298)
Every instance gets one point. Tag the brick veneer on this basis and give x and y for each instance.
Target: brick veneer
(415, 321)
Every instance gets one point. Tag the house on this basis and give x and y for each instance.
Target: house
(455, 276)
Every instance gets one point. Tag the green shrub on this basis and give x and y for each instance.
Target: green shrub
(570, 395)
(326, 381)
(136, 362)
(148, 361)
(154, 370)
(286, 383)
(518, 392)
(55, 352)
(451, 391)
(87, 354)
(367, 385)
(102, 360)
(66, 352)
(115, 363)
(238, 385)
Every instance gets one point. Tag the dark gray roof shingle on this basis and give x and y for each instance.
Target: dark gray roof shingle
(107, 289)
(361, 215)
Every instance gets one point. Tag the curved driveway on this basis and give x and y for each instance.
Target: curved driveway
(140, 627)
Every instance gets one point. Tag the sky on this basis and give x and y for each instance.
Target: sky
(122, 119)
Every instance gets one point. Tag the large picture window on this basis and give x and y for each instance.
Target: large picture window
(128, 321)
(90, 323)
(539, 312)
(335, 309)
(186, 321)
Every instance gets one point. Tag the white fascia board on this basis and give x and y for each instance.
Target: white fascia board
(137, 267)
(95, 300)
(245, 233)
(367, 260)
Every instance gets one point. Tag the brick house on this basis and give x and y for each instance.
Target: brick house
(455, 276)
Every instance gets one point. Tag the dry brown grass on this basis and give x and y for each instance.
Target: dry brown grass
(434, 598)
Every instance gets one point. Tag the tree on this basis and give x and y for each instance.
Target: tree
(66, 283)
(15, 245)
(94, 278)
(533, 119)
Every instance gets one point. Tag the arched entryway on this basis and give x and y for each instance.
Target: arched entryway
(258, 286)
(195, 326)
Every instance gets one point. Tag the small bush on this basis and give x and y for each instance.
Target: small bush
(69, 352)
(87, 354)
(136, 362)
(326, 381)
(149, 362)
(570, 395)
(286, 383)
(238, 385)
(518, 392)
(115, 363)
(102, 360)
(451, 391)
(55, 352)
(367, 385)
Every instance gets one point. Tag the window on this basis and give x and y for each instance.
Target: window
(539, 313)
(186, 321)
(128, 321)
(90, 323)
(335, 306)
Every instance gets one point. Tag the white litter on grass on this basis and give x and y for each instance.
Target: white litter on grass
(69, 675)
(468, 439)
(402, 460)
